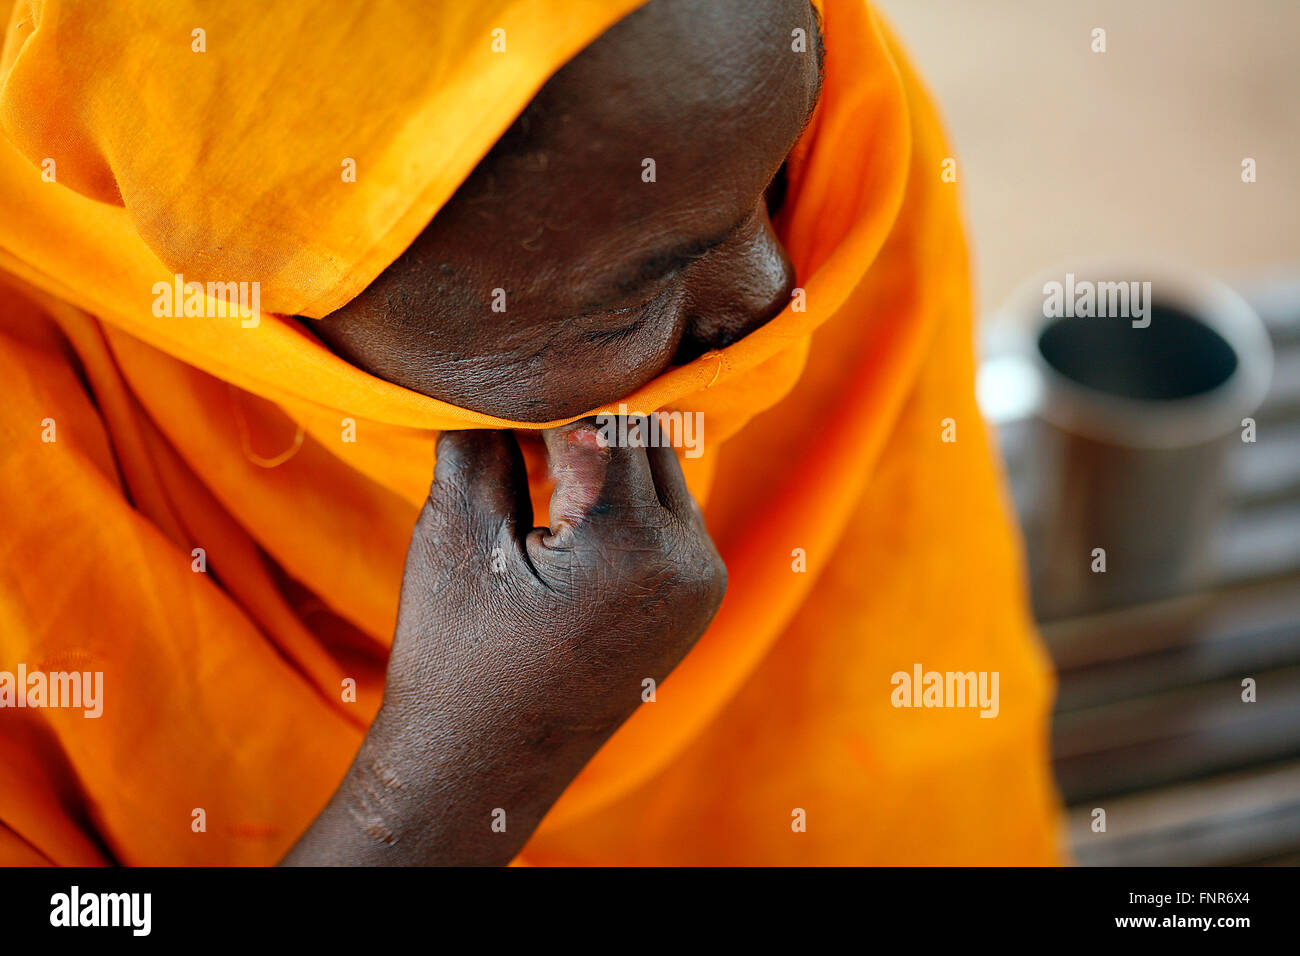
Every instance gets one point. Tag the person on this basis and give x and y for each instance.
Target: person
(472, 234)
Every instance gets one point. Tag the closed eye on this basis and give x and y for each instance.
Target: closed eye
(674, 260)
(606, 336)
(609, 336)
(658, 270)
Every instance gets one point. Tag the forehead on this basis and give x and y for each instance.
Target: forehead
(713, 92)
(673, 57)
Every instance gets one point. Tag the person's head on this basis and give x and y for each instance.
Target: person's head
(625, 217)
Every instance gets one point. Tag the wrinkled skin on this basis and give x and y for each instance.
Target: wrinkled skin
(501, 688)
(608, 279)
(519, 651)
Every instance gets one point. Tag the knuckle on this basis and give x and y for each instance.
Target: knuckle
(685, 565)
(705, 578)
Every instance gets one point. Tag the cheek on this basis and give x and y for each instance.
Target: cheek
(542, 372)
(570, 381)
(584, 365)
(614, 365)
(558, 383)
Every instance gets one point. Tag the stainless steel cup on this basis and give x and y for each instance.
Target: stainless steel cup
(1134, 415)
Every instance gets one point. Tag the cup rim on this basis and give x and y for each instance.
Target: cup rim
(1148, 423)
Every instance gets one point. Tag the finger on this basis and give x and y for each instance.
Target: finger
(670, 483)
(596, 472)
(482, 471)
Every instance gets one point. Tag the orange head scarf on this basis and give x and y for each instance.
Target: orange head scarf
(220, 521)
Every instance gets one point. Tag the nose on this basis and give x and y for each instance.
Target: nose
(738, 287)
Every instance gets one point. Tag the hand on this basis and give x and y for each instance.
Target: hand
(520, 650)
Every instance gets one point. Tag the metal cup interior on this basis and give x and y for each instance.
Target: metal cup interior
(1133, 415)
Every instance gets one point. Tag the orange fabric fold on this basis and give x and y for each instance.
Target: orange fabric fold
(858, 542)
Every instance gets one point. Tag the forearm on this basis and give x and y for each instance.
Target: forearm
(412, 798)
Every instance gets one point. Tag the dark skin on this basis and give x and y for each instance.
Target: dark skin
(520, 650)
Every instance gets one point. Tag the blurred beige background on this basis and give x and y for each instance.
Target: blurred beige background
(1063, 152)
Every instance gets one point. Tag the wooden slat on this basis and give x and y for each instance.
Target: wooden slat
(1260, 543)
(1185, 641)
(1250, 817)
(1269, 469)
(1176, 735)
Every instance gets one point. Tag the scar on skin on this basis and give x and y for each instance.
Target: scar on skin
(378, 768)
(579, 478)
(370, 815)
(588, 436)
(375, 828)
